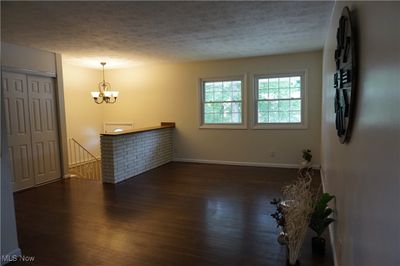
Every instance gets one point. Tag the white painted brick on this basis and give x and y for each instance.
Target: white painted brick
(128, 155)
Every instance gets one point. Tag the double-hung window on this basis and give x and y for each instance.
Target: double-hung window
(280, 101)
(222, 103)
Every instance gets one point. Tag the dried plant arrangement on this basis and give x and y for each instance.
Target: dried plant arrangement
(297, 217)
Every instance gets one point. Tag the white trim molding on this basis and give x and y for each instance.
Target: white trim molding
(29, 71)
(255, 164)
(303, 97)
(331, 225)
(11, 256)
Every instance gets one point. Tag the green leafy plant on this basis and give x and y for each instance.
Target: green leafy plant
(278, 214)
(320, 217)
(307, 155)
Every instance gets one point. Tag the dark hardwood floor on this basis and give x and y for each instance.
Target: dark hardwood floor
(177, 214)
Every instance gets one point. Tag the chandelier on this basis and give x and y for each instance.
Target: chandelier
(105, 94)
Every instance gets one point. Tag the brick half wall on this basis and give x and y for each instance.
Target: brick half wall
(125, 156)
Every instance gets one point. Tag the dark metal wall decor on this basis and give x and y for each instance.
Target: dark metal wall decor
(345, 76)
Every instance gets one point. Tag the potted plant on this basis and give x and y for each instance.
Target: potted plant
(305, 167)
(307, 156)
(320, 221)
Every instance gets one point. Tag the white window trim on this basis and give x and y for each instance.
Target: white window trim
(304, 102)
(200, 101)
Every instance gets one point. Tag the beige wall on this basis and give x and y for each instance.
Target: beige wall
(84, 117)
(169, 92)
(364, 174)
(20, 57)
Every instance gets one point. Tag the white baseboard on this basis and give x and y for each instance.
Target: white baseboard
(330, 226)
(12, 254)
(256, 164)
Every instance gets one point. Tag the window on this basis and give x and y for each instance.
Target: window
(222, 103)
(279, 101)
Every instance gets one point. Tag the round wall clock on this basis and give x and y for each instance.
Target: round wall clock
(345, 76)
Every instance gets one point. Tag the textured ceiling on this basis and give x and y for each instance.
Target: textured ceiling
(140, 32)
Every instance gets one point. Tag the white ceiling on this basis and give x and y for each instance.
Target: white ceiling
(140, 32)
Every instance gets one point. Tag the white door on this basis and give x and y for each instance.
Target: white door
(16, 110)
(32, 129)
(43, 117)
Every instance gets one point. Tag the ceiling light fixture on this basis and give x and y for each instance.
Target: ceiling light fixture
(105, 94)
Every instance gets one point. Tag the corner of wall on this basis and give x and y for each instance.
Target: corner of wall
(61, 115)
(331, 234)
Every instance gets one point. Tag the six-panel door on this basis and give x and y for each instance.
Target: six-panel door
(31, 123)
(43, 117)
(16, 112)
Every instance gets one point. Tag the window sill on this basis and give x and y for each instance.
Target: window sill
(285, 126)
(223, 126)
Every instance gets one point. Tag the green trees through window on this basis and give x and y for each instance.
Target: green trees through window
(222, 102)
(278, 99)
(278, 102)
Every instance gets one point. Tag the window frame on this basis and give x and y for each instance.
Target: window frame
(243, 124)
(303, 97)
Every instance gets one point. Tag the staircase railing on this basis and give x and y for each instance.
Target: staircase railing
(83, 164)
